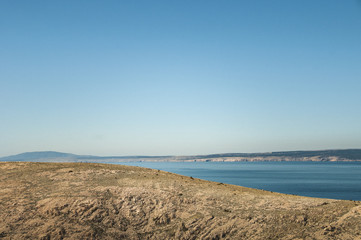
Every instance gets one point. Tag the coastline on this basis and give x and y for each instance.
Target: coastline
(105, 201)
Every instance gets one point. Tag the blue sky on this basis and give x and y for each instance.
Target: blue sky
(179, 77)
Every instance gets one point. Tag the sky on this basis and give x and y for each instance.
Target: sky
(179, 77)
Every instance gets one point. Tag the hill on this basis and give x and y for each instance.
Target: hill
(34, 156)
(322, 155)
(100, 201)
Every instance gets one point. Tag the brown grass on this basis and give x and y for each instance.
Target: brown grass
(100, 201)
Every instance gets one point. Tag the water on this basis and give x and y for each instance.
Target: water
(334, 180)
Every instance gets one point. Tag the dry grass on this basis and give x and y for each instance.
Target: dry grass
(99, 201)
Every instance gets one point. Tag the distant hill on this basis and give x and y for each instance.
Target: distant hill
(52, 156)
(33, 156)
(351, 154)
(321, 155)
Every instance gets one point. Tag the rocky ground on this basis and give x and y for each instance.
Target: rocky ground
(99, 201)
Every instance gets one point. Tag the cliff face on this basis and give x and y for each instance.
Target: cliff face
(99, 201)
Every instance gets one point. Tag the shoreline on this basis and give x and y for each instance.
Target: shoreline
(107, 201)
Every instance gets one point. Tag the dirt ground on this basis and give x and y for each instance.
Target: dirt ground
(100, 201)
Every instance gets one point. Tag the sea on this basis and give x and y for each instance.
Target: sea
(335, 180)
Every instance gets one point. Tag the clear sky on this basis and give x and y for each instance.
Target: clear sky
(179, 77)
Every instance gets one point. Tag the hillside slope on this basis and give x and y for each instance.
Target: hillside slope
(99, 201)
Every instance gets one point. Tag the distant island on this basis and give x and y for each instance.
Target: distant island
(319, 155)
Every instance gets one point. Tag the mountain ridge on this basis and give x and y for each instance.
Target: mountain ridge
(312, 155)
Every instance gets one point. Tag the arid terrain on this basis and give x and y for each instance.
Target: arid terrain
(100, 201)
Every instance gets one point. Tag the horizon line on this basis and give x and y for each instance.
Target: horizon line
(174, 155)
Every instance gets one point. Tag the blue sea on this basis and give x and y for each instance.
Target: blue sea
(336, 180)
